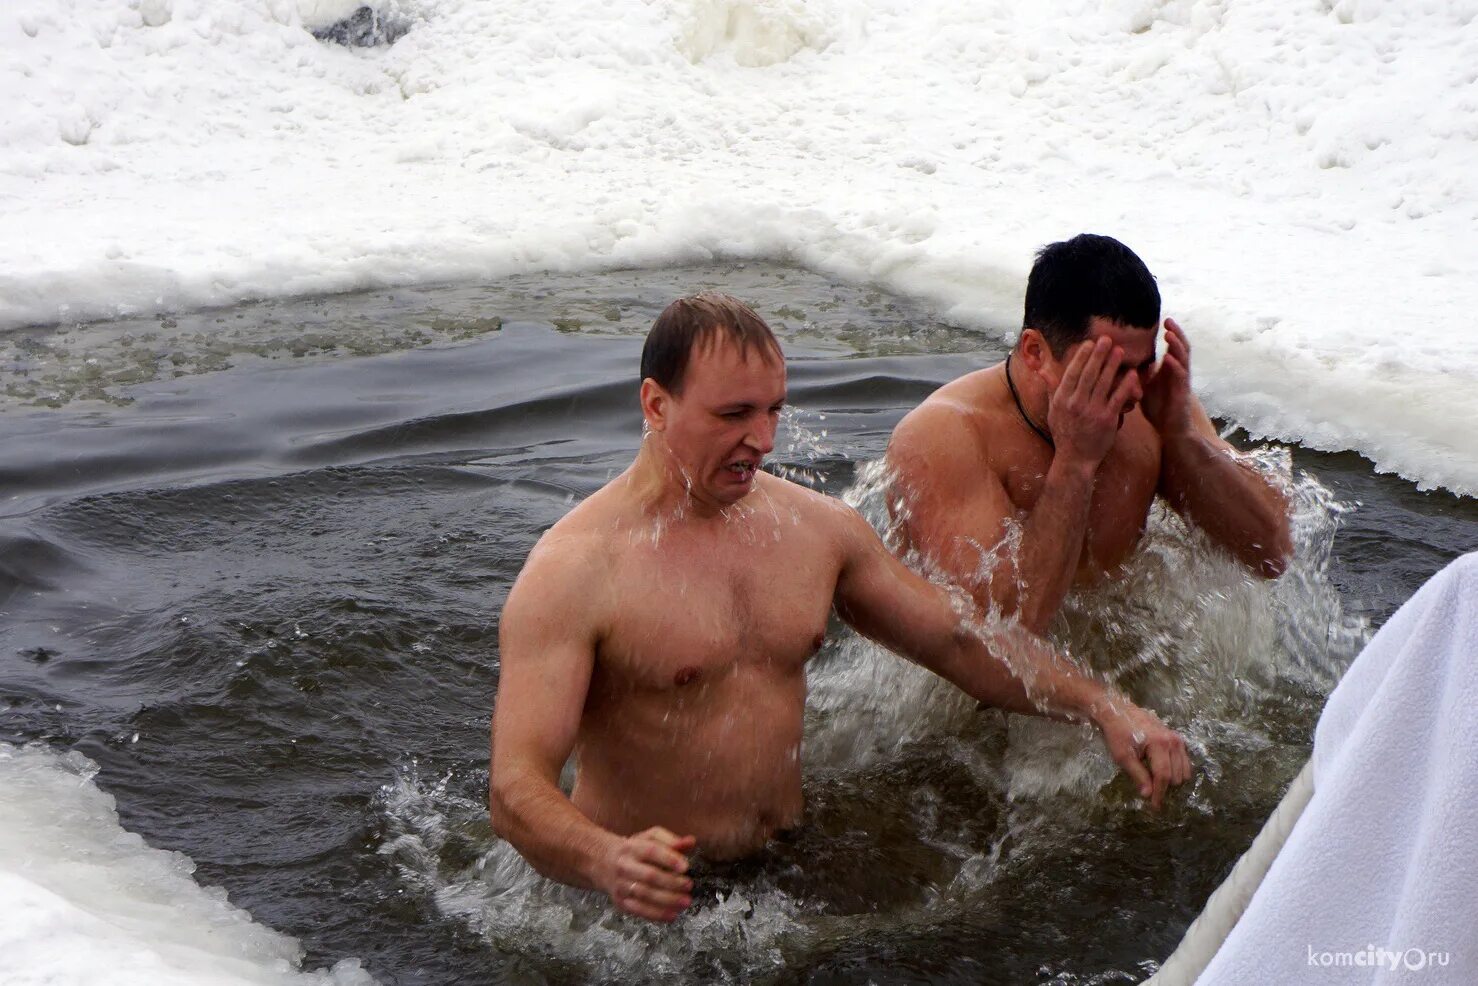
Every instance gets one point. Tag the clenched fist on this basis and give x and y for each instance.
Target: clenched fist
(645, 874)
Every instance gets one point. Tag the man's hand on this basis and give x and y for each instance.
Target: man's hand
(645, 874)
(1083, 416)
(1135, 737)
(1167, 395)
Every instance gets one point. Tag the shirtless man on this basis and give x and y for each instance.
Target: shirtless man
(1072, 437)
(660, 632)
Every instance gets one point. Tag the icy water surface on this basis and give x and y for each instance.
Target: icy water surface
(251, 563)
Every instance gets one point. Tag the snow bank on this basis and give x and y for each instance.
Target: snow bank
(87, 902)
(1299, 174)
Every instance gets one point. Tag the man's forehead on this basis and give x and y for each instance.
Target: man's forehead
(1134, 339)
(721, 365)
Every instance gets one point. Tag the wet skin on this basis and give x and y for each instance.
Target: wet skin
(1124, 429)
(705, 653)
(659, 633)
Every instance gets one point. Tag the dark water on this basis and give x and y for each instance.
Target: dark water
(251, 563)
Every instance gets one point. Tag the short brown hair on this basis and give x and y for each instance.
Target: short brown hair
(695, 321)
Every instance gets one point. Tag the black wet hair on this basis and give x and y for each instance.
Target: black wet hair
(1088, 275)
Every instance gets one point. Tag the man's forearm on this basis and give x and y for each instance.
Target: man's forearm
(1006, 667)
(1052, 539)
(557, 839)
(1230, 500)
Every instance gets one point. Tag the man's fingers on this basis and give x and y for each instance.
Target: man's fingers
(1160, 768)
(1074, 371)
(1093, 366)
(664, 855)
(632, 872)
(1176, 341)
(1128, 389)
(642, 909)
(667, 864)
(1176, 345)
(650, 892)
(1106, 374)
(1141, 777)
(1172, 366)
(663, 900)
(682, 843)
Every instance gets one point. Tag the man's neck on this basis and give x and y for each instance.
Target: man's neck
(1031, 390)
(661, 487)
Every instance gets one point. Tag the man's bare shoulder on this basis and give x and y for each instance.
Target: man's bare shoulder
(564, 575)
(946, 436)
(774, 492)
(811, 510)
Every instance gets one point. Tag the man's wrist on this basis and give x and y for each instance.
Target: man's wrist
(1103, 705)
(599, 854)
(1185, 446)
(1073, 469)
(1181, 429)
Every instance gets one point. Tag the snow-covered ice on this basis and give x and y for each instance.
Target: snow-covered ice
(87, 902)
(1299, 173)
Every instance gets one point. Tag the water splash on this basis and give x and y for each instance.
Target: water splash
(941, 800)
(1185, 631)
(801, 443)
(442, 844)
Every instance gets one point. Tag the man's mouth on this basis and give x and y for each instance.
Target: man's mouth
(743, 469)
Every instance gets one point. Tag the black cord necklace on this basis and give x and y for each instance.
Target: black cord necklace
(1024, 416)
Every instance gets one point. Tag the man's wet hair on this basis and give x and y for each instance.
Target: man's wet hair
(691, 323)
(1088, 275)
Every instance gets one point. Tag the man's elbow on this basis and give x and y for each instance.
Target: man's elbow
(500, 813)
(1271, 560)
(1272, 567)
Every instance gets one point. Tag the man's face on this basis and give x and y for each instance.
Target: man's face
(722, 425)
(1139, 356)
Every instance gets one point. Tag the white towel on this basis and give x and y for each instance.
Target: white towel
(1378, 882)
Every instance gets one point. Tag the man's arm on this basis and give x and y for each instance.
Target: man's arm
(957, 514)
(547, 641)
(1204, 479)
(957, 509)
(1004, 667)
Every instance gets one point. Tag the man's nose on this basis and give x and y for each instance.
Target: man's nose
(1136, 390)
(761, 436)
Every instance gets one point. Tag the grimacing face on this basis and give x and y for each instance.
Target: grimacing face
(722, 425)
(1138, 345)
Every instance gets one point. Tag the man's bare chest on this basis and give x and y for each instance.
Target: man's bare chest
(692, 614)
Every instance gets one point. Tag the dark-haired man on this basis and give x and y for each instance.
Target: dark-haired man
(1072, 437)
(660, 631)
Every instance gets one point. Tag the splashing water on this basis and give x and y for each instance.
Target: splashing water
(443, 845)
(1184, 630)
(800, 443)
(919, 805)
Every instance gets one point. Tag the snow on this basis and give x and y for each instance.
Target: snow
(1300, 174)
(87, 902)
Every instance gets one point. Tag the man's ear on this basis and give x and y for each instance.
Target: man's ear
(1033, 350)
(656, 403)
